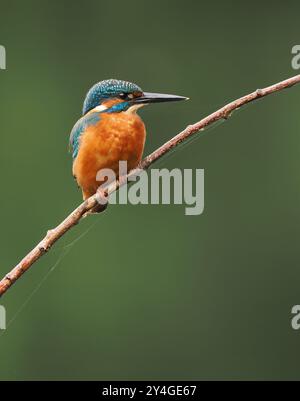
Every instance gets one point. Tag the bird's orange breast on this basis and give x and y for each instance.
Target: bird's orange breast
(117, 136)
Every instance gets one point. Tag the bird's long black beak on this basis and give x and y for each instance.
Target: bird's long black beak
(148, 97)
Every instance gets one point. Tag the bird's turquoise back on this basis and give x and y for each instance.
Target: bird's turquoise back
(78, 130)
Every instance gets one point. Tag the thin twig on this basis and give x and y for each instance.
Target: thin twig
(74, 218)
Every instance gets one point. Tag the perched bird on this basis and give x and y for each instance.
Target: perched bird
(110, 130)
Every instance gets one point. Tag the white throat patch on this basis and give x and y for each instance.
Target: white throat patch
(133, 109)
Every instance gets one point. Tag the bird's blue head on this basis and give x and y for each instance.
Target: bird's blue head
(113, 96)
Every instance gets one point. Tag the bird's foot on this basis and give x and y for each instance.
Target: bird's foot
(96, 210)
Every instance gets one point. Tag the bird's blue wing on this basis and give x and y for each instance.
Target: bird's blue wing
(79, 128)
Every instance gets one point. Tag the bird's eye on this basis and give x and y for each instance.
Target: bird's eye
(123, 95)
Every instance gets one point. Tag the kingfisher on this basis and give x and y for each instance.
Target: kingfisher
(110, 130)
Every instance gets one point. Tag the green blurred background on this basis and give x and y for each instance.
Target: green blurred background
(145, 292)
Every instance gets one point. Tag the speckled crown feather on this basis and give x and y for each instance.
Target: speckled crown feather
(107, 89)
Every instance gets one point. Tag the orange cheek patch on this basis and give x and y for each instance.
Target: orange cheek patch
(111, 102)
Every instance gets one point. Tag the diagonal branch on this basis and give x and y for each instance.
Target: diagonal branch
(74, 218)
